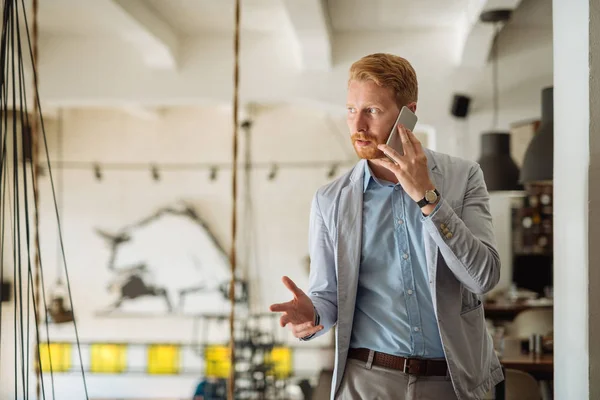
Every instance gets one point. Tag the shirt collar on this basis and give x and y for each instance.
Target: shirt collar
(370, 177)
(367, 178)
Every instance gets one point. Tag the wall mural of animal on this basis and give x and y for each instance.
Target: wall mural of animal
(169, 263)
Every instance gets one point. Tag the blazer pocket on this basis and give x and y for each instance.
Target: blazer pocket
(476, 360)
(476, 307)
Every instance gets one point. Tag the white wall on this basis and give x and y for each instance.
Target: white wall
(576, 174)
(594, 204)
(183, 135)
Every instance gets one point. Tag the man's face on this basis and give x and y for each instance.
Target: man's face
(372, 111)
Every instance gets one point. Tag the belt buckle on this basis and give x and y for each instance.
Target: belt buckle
(405, 369)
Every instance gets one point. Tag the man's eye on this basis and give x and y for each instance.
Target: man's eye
(372, 111)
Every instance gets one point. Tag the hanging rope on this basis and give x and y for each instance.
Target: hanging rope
(233, 260)
(26, 131)
(36, 196)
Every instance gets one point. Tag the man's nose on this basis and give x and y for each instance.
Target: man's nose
(360, 123)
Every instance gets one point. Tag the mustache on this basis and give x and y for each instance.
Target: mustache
(363, 137)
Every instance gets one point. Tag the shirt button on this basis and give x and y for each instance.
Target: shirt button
(400, 222)
(409, 291)
(405, 256)
(416, 329)
(396, 188)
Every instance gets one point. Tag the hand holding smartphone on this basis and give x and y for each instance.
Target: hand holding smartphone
(408, 119)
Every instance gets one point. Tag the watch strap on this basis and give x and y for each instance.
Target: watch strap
(423, 202)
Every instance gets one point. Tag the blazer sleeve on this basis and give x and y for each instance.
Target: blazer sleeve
(322, 279)
(467, 244)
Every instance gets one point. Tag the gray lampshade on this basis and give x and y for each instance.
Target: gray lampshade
(499, 169)
(539, 158)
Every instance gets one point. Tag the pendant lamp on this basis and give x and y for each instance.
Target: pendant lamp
(499, 169)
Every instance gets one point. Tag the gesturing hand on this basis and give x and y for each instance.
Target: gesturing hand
(299, 313)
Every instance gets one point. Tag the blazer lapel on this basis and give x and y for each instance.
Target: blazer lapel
(349, 235)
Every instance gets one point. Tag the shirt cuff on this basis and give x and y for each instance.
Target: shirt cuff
(437, 207)
(317, 322)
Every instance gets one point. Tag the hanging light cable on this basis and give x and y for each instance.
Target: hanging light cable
(499, 169)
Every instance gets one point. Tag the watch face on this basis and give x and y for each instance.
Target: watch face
(430, 196)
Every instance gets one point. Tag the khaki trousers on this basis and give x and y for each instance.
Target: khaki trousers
(377, 383)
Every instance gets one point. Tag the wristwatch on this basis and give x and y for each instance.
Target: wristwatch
(431, 197)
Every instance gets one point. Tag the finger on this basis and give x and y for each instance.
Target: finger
(407, 145)
(281, 307)
(394, 168)
(303, 327)
(284, 320)
(397, 162)
(292, 286)
(390, 152)
(413, 139)
(308, 332)
(390, 165)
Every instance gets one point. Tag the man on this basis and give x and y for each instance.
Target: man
(400, 253)
(210, 389)
(200, 390)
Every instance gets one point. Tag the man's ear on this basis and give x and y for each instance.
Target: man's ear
(412, 106)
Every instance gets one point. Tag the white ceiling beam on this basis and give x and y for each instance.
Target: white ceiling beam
(312, 30)
(155, 39)
(475, 38)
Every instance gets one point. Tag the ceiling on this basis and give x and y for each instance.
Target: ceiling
(193, 17)
(378, 15)
(198, 17)
(302, 39)
(533, 14)
(186, 17)
(81, 18)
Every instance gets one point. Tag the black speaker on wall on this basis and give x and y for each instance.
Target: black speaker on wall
(460, 105)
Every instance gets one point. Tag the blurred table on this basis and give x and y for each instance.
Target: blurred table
(505, 311)
(541, 367)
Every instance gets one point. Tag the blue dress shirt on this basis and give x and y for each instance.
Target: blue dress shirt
(394, 310)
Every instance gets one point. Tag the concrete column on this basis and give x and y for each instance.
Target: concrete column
(576, 25)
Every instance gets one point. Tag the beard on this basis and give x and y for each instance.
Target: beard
(367, 151)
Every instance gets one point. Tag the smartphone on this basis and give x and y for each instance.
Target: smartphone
(408, 119)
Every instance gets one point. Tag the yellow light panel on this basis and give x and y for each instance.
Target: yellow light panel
(57, 354)
(108, 358)
(280, 359)
(217, 361)
(163, 359)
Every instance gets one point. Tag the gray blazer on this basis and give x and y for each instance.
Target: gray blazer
(461, 258)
